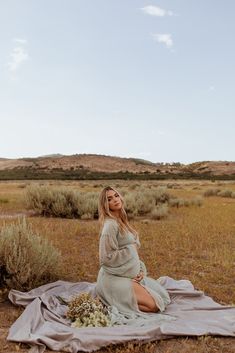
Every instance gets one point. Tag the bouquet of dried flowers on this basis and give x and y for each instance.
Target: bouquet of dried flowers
(85, 311)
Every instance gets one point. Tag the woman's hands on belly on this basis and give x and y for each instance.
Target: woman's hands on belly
(139, 277)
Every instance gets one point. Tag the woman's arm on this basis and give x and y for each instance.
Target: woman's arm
(143, 270)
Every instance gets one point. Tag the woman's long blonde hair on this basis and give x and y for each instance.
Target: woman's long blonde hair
(104, 212)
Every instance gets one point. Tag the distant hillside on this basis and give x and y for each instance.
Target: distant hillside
(93, 166)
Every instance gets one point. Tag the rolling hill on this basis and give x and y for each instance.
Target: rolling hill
(93, 166)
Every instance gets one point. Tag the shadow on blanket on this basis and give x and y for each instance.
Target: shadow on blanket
(43, 322)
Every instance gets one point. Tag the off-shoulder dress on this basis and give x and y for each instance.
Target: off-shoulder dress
(119, 264)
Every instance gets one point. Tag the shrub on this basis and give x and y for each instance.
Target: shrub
(225, 193)
(26, 259)
(143, 201)
(219, 192)
(211, 192)
(179, 202)
(134, 186)
(62, 202)
(160, 195)
(173, 186)
(88, 205)
(3, 200)
(138, 203)
(197, 200)
(176, 202)
(159, 211)
(22, 186)
(48, 201)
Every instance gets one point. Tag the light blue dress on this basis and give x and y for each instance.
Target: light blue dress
(119, 264)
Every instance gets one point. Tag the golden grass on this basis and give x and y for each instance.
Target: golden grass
(195, 243)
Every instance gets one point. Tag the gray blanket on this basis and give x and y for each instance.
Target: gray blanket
(43, 322)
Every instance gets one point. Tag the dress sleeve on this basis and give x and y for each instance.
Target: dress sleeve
(120, 261)
(143, 268)
(142, 264)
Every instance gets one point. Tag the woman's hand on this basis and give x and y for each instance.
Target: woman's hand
(139, 277)
(135, 245)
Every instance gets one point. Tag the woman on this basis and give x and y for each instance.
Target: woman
(122, 280)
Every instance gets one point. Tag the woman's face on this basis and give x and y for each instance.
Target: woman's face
(114, 200)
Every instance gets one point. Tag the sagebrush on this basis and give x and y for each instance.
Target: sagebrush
(26, 259)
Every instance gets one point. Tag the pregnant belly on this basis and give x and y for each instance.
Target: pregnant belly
(129, 269)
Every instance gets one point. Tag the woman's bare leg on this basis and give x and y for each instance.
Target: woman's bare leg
(144, 299)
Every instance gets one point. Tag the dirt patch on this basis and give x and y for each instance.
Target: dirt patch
(17, 214)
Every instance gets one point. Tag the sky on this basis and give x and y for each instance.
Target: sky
(130, 78)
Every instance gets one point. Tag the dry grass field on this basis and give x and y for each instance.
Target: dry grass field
(195, 243)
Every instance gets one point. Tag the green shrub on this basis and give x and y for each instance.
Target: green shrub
(211, 192)
(143, 201)
(179, 202)
(61, 202)
(3, 200)
(26, 259)
(88, 205)
(22, 186)
(138, 203)
(225, 193)
(160, 194)
(176, 202)
(159, 211)
(134, 186)
(174, 186)
(219, 192)
(197, 200)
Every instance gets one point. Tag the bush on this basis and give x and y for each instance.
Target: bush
(62, 202)
(160, 194)
(197, 200)
(160, 211)
(211, 192)
(138, 203)
(88, 205)
(154, 202)
(49, 201)
(225, 193)
(179, 202)
(26, 259)
(176, 202)
(3, 200)
(219, 192)
(134, 186)
(144, 201)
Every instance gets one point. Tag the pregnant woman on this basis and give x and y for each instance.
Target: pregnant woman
(122, 279)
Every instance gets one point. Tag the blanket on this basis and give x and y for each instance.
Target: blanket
(44, 324)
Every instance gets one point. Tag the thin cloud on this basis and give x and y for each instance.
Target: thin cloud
(164, 38)
(18, 55)
(156, 11)
(211, 88)
(21, 41)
